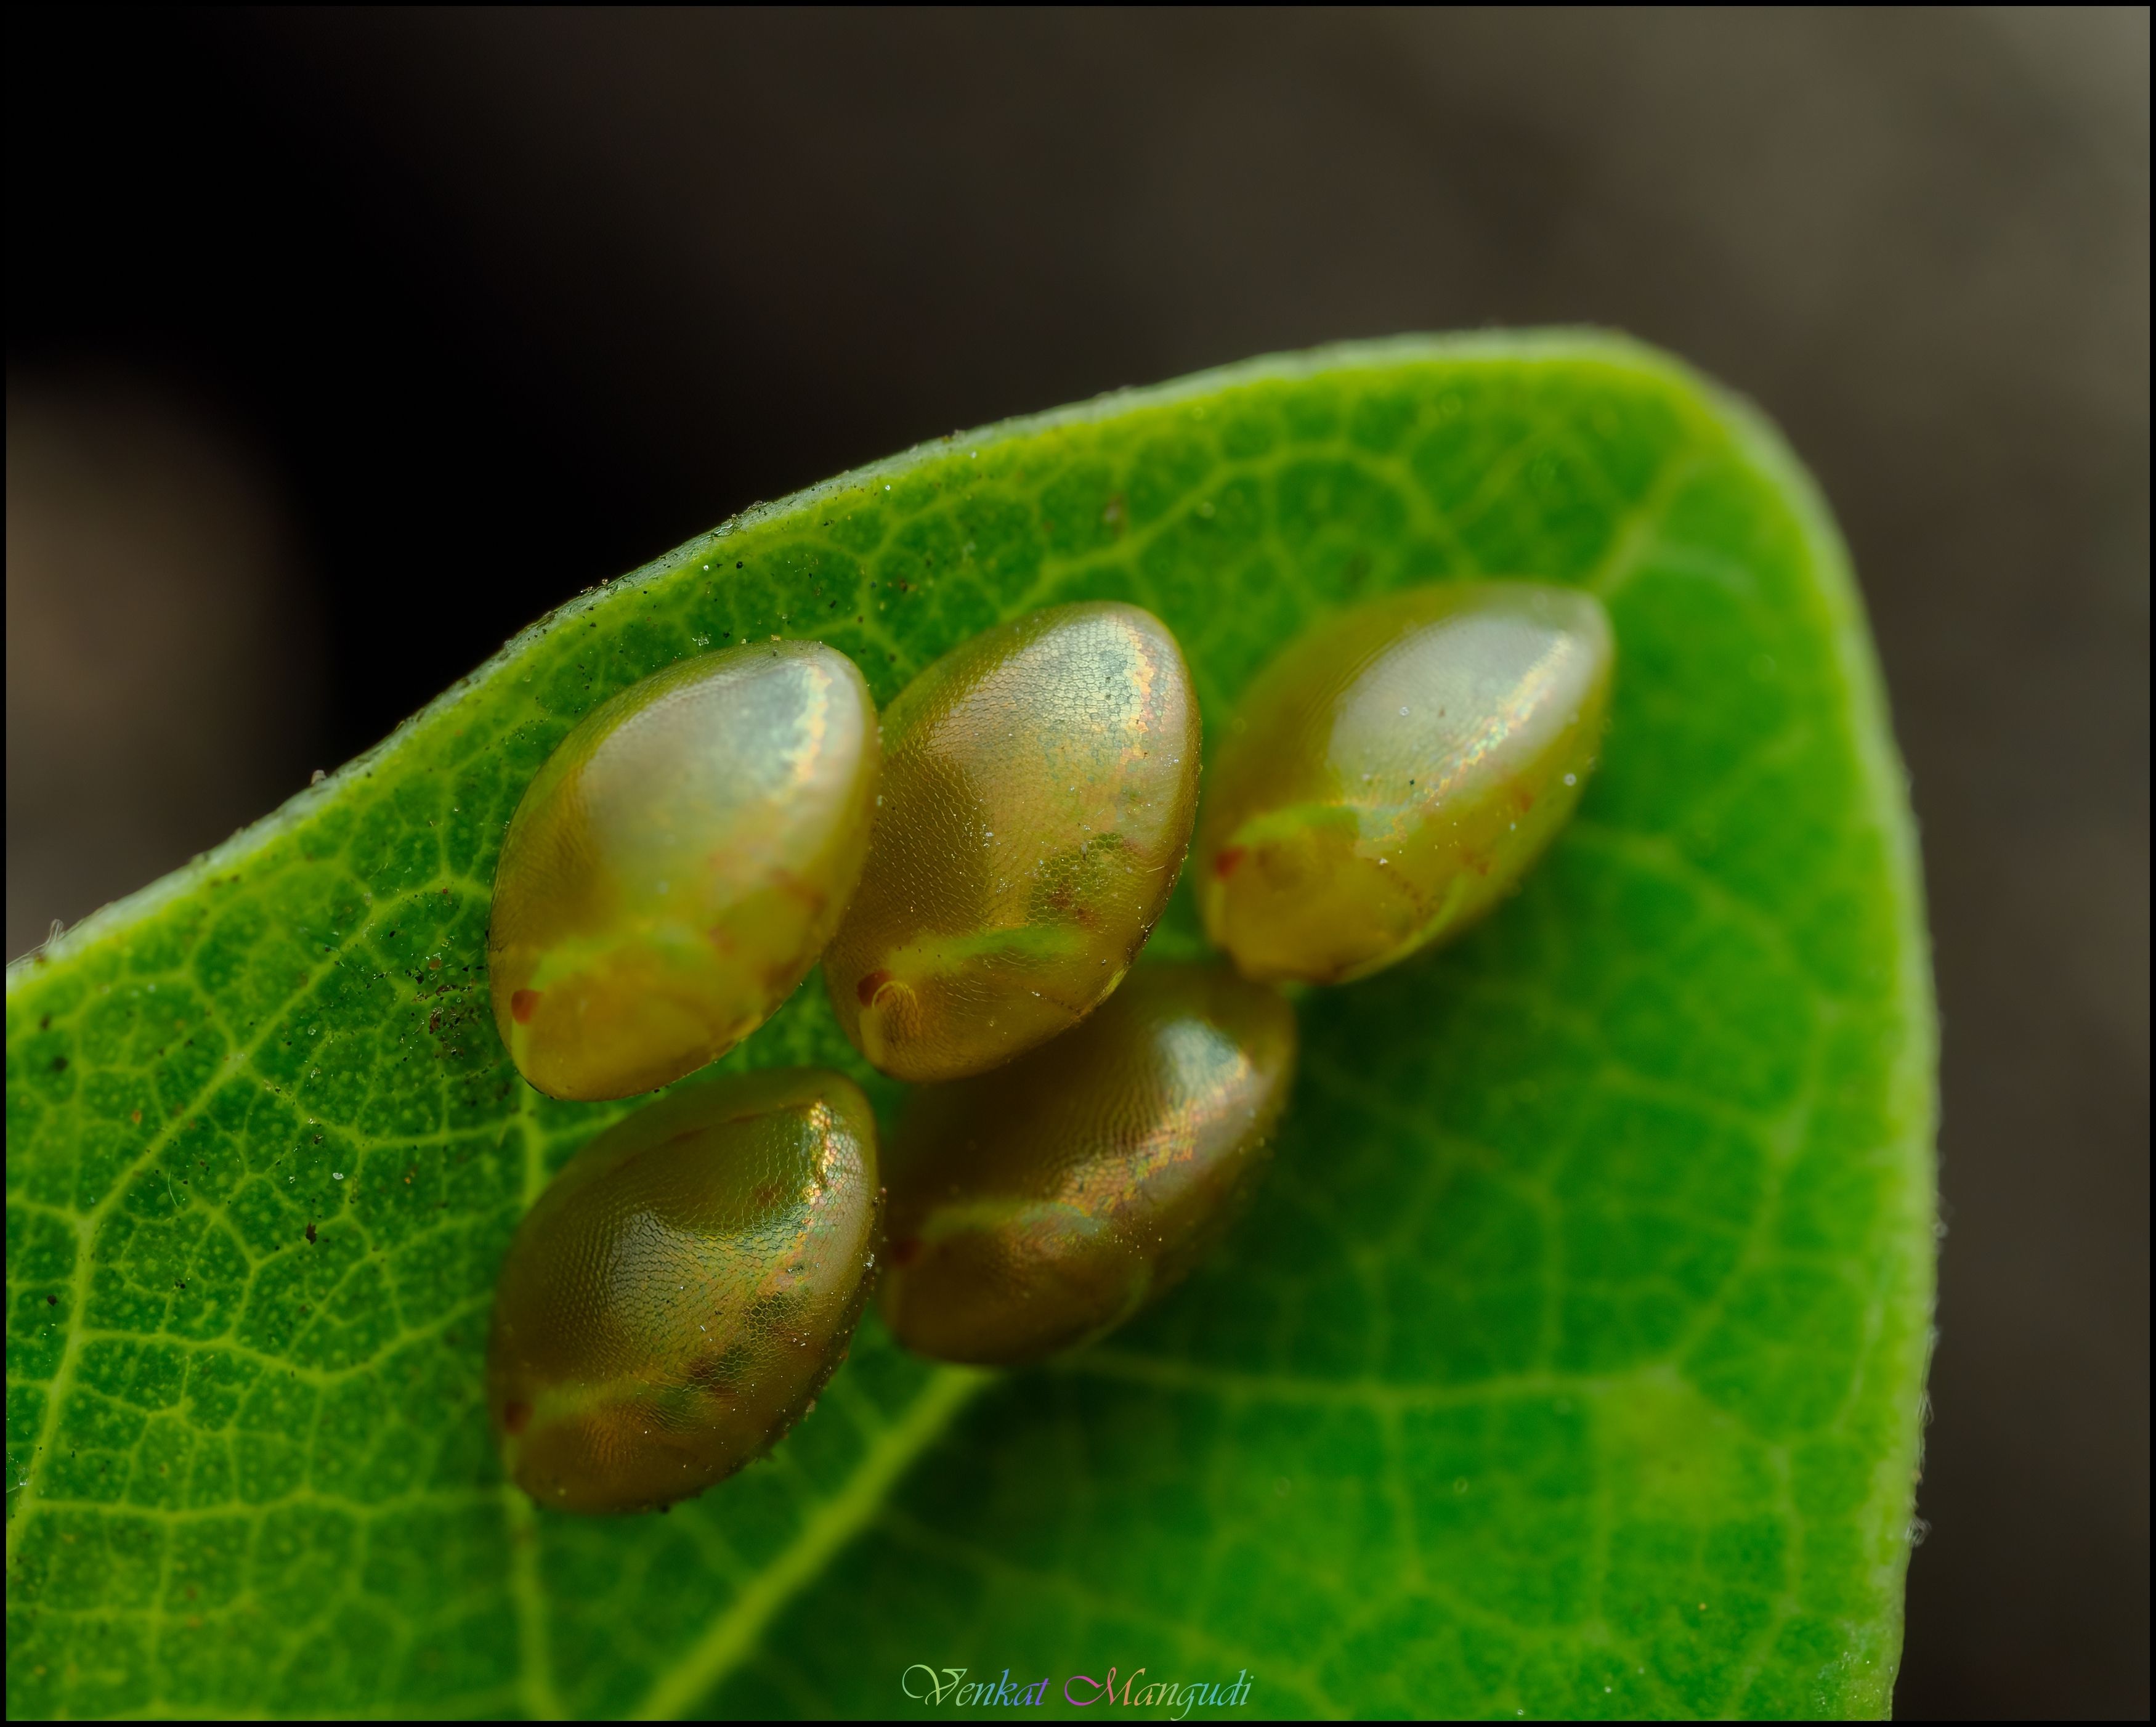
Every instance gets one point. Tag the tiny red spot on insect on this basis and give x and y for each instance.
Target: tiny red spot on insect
(1223, 864)
(516, 1417)
(904, 1253)
(868, 986)
(523, 1004)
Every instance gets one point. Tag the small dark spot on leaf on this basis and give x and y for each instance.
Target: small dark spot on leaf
(52, 1301)
(311, 1232)
(59, 1064)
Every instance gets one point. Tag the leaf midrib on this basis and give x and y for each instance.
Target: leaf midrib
(730, 1638)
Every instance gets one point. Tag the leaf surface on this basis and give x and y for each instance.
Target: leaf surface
(1570, 1362)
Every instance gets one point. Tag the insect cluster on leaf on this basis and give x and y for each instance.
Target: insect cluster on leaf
(978, 877)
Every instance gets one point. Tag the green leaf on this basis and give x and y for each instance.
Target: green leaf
(1569, 1363)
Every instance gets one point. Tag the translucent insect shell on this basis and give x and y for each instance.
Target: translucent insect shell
(1039, 787)
(677, 864)
(1040, 1206)
(681, 1294)
(1394, 771)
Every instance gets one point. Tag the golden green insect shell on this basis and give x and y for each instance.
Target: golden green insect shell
(677, 864)
(1392, 774)
(1039, 783)
(1037, 1206)
(681, 1294)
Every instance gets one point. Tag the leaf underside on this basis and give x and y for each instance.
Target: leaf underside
(1570, 1362)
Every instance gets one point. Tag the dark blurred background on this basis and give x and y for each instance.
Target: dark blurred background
(341, 345)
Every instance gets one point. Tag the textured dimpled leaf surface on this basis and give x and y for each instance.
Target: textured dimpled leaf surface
(1570, 1361)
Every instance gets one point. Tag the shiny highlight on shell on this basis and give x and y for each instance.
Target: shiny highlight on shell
(1039, 783)
(677, 864)
(1393, 774)
(678, 1297)
(1038, 1206)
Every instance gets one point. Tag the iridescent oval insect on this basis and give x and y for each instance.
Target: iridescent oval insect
(678, 1297)
(1392, 774)
(1039, 788)
(1037, 1206)
(677, 864)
